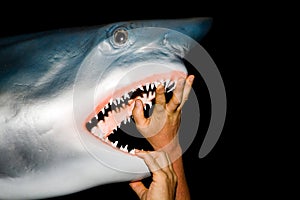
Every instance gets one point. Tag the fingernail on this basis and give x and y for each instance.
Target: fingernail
(191, 79)
(138, 103)
(160, 88)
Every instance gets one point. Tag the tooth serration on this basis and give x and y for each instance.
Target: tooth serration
(106, 106)
(103, 111)
(128, 119)
(156, 83)
(110, 101)
(96, 116)
(141, 88)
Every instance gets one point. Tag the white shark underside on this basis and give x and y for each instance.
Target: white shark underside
(54, 85)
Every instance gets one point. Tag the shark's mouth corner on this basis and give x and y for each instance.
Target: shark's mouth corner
(116, 111)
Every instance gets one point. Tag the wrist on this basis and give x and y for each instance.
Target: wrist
(173, 149)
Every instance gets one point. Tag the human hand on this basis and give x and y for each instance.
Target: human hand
(161, 128)
(164, 179)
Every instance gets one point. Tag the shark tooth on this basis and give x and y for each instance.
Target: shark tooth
(115, 102)
(94, 130)
(152, 86)
(147, 86)
(167, 83)
(126, 148)
(126, 96)
(118, 99)
(175, 83)
(132, 151)
(115, 143)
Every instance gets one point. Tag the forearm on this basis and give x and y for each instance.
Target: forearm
(182, 191)
(175, 155)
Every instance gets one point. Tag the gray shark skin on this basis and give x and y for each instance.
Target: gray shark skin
(47, 80)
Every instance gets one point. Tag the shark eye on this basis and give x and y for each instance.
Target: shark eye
(120, 36)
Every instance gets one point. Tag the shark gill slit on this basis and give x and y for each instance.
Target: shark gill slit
(100, 125)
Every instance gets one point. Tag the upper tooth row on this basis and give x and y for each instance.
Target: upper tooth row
(166, 83)
(117, 101)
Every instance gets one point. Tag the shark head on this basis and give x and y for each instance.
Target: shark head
(66, 95)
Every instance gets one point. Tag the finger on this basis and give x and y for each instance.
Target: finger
(160, 99)
(160, 95)
(170, 163)
(139, 188)
(158, 164)
(186, 90)
(149, 160)
(164, 162)
(177, 96)
(161, 159)
(138, 113)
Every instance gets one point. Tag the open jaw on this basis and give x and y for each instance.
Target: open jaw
(115, 111)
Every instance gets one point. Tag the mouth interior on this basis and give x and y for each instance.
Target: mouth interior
(117, 112)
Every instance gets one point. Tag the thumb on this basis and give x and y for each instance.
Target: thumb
(138, 113)
(139, 188)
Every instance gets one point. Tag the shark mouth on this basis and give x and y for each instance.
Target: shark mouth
(116, 111)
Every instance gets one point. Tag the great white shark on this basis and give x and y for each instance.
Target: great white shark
(63, 92)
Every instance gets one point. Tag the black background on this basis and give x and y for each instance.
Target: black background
(227, 169)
